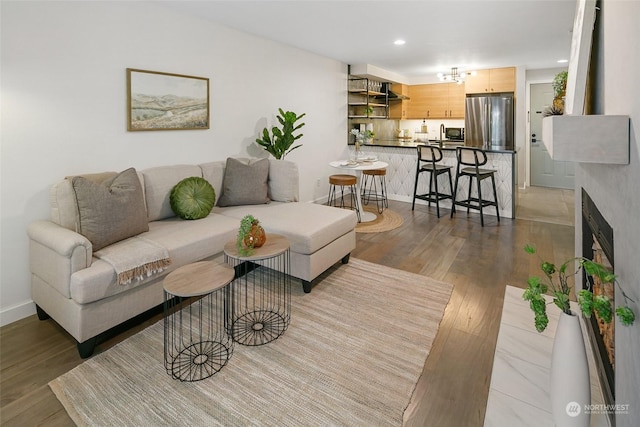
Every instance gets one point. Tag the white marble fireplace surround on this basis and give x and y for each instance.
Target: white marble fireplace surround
(519, 390)
(615, 189)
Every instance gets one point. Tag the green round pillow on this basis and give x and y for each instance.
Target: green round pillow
(192, 198)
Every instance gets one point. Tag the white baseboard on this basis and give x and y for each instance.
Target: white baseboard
(17, 312)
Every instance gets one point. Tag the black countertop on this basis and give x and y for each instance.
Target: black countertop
(447, 145)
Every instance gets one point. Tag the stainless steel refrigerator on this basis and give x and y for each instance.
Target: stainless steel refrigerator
(488, 121)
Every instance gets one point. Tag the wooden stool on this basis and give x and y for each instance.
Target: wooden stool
(371, 193)
(342, 181)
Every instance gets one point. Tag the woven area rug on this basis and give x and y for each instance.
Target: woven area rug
(386, 221)
(351, 356)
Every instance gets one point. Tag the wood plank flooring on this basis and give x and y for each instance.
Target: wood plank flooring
(453, 388)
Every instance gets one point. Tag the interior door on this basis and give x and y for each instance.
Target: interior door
(545, 172)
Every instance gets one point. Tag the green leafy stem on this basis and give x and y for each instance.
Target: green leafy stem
(557, 281)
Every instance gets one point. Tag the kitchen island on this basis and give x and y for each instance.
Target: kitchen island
(402, 157)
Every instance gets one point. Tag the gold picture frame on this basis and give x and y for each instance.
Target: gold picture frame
(166, 101)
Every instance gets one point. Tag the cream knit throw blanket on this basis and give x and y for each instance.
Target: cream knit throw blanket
(135, 258)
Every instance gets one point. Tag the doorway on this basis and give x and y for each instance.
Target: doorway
(545, 172)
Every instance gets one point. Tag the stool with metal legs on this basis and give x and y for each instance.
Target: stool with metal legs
(473, 158)
(342, 181)
(370, 188)
(428, 162)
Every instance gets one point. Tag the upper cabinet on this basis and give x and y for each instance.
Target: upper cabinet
(398, 107)
(436, 101)
(368, 99)
(492, 80)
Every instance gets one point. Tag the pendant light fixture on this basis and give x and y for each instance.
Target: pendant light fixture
(455, 76)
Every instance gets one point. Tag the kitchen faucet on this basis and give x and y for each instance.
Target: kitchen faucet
(441, 130)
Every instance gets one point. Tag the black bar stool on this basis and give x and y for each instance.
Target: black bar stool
(428, 159)
(342, 181)
(473, 158)
(370, 188)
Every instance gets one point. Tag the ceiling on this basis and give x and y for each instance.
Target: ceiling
(439, 34)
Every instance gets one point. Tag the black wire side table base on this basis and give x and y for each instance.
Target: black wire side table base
(259, 304)
(200, 360)
(258, 327)
(196, 342)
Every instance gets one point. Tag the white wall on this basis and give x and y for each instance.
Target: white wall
(64, 105)
(615, 188)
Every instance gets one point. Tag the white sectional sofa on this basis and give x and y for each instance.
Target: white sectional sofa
(80, 291)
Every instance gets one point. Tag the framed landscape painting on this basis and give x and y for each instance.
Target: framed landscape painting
(165, 101)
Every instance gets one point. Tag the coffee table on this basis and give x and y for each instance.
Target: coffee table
(259, 305)
(196, 343)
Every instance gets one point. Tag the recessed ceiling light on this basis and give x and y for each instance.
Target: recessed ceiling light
(562, 61)
(399, 42)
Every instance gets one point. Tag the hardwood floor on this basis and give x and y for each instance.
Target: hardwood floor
(453, 389)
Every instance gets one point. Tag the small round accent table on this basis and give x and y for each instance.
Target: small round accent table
(259, 306)
(196, 343)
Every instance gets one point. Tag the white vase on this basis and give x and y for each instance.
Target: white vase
(570, 383)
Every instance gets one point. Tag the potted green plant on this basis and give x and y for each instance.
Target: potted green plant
(553, 110)
(250, 235)
(569, 382)
(557, 282)
(279, 144)
(559, 85)
(368, 110)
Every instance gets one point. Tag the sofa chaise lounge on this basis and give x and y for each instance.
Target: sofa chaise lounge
(82, 292)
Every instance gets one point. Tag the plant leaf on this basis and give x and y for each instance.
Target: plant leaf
(585, 301)
(626, 315)
(602, 305)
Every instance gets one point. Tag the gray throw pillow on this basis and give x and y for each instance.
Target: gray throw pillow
(110, 210)
(245, 183)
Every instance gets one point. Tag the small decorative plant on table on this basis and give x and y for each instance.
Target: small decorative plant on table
(361, 138)
(557, 281)
(250, 235)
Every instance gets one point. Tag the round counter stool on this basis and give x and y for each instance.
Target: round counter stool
(342, 181)
(196, 343)
(370, 188)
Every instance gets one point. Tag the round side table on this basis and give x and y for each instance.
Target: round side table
(259, 308)
(196, 343)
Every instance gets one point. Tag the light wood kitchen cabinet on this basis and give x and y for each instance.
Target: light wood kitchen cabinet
(436, 101)
(398, 107)
(457, 97)
(492, 80)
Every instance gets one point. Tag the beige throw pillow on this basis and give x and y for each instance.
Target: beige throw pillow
(110, 210)
(245, 183)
